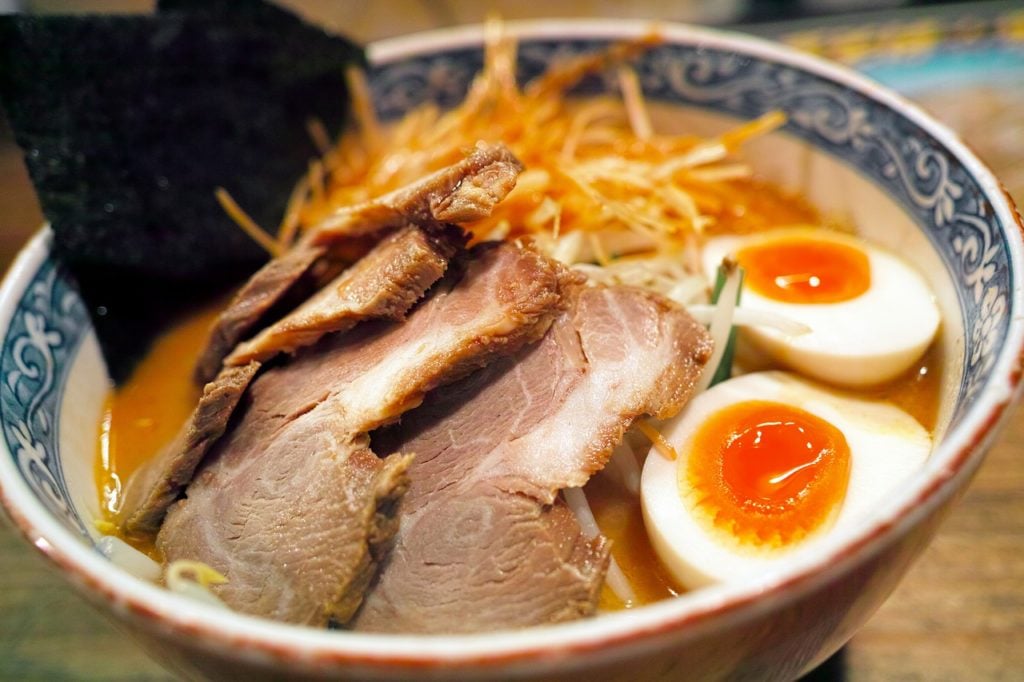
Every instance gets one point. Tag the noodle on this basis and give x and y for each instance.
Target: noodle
(615, 578)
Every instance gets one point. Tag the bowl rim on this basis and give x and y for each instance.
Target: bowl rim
(961, 451)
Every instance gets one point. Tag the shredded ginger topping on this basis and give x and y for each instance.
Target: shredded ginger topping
(600, 183)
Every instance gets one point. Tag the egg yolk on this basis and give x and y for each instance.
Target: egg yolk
(766, 473)
(805, 269)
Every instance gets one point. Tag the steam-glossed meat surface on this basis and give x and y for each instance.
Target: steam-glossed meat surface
(384, 284)
(462, 192)
(291, 506)
(484, 543)
(250, 304)
(154, 487)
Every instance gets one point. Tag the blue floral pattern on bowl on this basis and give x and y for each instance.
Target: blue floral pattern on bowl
(46, 330)
(900, 157)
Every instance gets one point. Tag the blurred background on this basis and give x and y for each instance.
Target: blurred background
(959, 615)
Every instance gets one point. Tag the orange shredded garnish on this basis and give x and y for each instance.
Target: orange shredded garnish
(293, 212)
(316, 180)
(362, 106)
(245, 221)
(561, 77)
(318, 134)
(657, 440)
(633, 98)
(598, 166)
(773, 120)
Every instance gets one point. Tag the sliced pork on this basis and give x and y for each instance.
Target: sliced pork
(155, 486)
(463, 192)
(383, 284)
(291, 505)
(252, 302)
(484, 543)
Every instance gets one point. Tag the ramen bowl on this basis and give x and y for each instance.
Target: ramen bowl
(850, 147)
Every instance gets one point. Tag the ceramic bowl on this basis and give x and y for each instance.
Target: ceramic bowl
(850, 146)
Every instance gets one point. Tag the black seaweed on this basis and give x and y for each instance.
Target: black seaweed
(129, 123)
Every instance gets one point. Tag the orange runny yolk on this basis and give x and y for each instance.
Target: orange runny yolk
(805, 269)
(766, 473)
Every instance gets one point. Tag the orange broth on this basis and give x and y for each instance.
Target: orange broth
(143, 414)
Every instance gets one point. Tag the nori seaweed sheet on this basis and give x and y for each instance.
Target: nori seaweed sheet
(129, 123)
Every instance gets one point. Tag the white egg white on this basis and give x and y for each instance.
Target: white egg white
(866, 340)
(886, 446)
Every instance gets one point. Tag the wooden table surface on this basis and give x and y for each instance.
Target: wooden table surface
(958, 615)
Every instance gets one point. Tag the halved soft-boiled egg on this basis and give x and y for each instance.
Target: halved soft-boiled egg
(770, 467)
(870, 315)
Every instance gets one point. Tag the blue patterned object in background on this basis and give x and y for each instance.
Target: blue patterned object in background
(949, 69)
(922, 49)
(900, 158)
